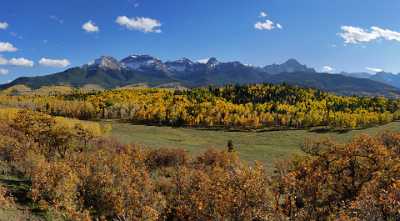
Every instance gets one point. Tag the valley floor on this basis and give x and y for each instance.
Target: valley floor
(261, 146)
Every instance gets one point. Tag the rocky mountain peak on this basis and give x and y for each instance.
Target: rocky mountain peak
(139, 62)
(106, 62)
(212, 62)
(290, 66)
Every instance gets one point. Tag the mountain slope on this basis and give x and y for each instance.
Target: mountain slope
(383, 77)
(78, 77)
(336, 83)
(108, 72)
(387, 78)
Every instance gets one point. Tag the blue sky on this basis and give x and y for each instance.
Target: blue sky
(47, 36)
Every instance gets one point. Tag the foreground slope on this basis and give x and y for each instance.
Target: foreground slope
(89, 177)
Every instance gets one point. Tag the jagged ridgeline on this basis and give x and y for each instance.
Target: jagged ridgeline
(107, 72)
(258, 106)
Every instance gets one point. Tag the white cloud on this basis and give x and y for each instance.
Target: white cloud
(267, 25)
(3, 61)
(327, 68)
(376, 70)
(140, 24)
(3, 71)
(90, 27)
(279, 26)
(3, 25)
(386, 33)
(7, 47)
(354, 35)
(23, 62)
(263, 14)
(60, 63)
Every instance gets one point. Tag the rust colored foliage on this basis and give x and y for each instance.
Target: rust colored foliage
(74, 171)
(358, 180)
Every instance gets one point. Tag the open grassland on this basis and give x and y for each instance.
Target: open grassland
(261, 146)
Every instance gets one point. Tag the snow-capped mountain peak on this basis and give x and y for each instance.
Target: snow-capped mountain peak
(105, 62)
(141, 62)
(181, 65)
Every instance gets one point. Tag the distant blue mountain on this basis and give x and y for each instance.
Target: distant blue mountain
(383, 77)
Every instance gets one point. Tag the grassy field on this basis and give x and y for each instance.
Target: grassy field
(261, 146)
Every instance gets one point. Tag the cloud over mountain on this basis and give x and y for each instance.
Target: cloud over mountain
(374, 69)
(59, 63)
(23, 62)
(327, 68)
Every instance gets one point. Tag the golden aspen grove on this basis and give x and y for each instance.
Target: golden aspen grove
(230, 107)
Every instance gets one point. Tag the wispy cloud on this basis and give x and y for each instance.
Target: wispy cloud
(59, 63)
(3, 71)
(143, 24)
(56, 19)
(3, 61)
(263, 14)
(266, 25)
(376, 70)
(3, 25)
(7, 47)
(355, 35)
(134, 3)
(90, 27)
(23, 62)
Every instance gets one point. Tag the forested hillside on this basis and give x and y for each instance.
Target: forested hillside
(231, 107)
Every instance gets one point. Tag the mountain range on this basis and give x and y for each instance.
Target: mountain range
(108, 72)
(384, 77)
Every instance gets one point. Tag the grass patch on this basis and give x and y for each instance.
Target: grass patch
(266, 146)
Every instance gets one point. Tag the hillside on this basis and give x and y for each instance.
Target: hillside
(383, 77)
(343, 85)
(107, 72)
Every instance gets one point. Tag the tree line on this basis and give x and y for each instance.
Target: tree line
(233, 107)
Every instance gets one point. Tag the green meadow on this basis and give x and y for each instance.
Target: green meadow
(261, 146)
